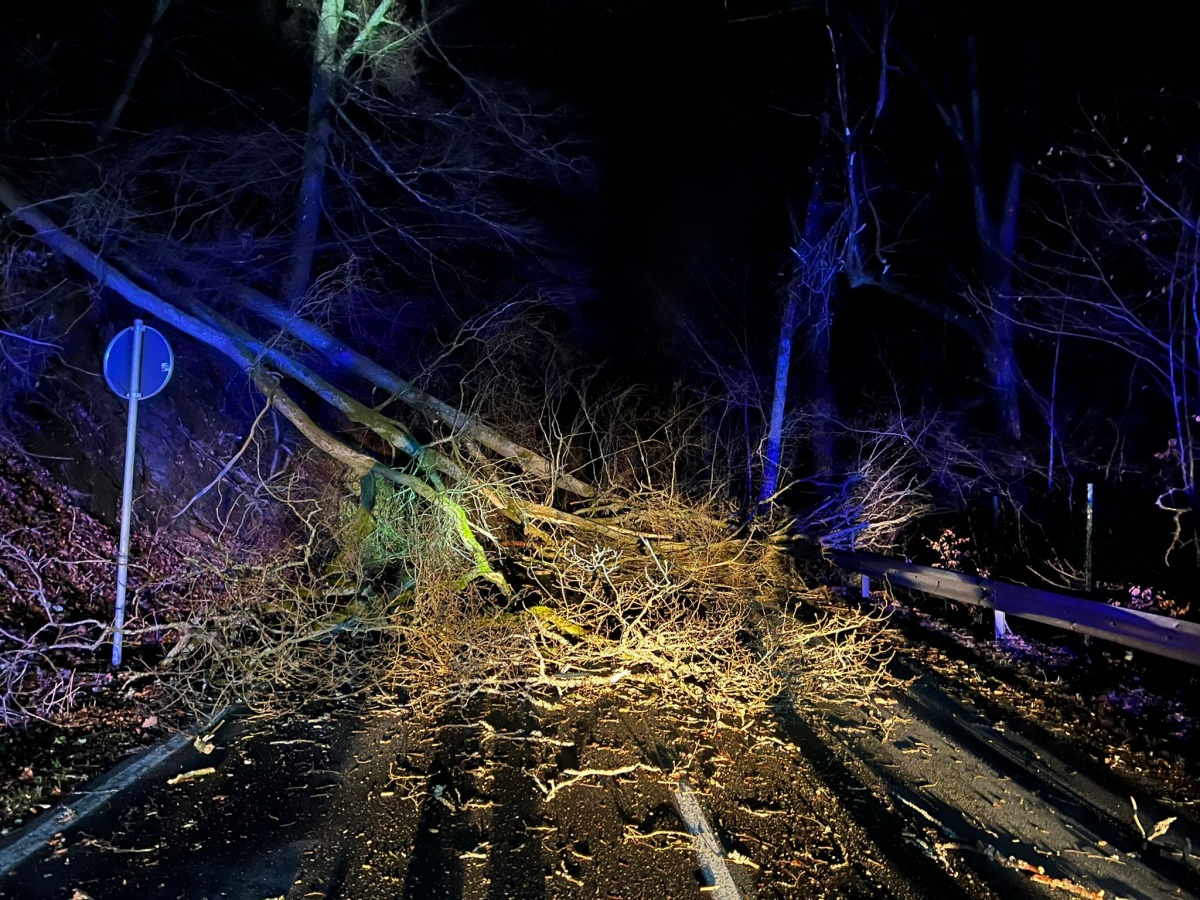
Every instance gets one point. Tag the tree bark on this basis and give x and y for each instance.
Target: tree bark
(310, 206)
(779, 397)
(820, 363)
(999, 238)
(135, 69)
(816, 257)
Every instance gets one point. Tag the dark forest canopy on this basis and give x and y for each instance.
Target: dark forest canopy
(922, 186)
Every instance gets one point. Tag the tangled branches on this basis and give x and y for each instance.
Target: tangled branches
(884, 493)
(51, 594)
(466, 577)
(645, 584)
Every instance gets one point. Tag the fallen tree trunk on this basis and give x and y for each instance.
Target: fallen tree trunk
(394, 433)
(249, 354)
(434, 409)
(113, 278)
(654, 581)
(336, 351)
(361, 464)
(227, 340)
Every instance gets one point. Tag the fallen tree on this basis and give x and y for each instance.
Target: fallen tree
(463, 578)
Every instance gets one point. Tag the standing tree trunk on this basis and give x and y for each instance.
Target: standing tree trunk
(820, 361)
(783, 363)
(997, 235)
(816, 256)
(999, 238)
(310, 208)
(131, 77)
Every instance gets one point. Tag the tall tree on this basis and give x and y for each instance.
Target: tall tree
(135, 70)
(807, 308)
(995, 218)
(310, 206)
(403, 179)
(868, 59)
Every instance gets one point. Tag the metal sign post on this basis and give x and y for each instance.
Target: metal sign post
(137, 365)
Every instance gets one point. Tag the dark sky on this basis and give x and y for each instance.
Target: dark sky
(700, 115)
(704, 121)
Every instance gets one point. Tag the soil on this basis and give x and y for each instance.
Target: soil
(42, 763)
(65, 713)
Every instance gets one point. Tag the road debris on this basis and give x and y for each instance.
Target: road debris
(192, 775)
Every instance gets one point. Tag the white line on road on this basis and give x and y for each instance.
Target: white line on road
(709, 852)
(15, 849)
(88, 801)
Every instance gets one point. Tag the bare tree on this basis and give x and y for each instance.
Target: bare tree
(996, 227)
(865, 67)
(817, 248)
(349, 42)
(135, 70)
(1111, 276)
(828, 241)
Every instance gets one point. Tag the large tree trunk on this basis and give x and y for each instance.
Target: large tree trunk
(779, 399)
(248, 353)
(435, 410)
(815, 263)
(131, 76)
(999, 238)
(820, 363)
(310, 207)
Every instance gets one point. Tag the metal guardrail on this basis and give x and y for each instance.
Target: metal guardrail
(1160, 635)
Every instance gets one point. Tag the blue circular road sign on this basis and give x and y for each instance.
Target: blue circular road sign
(157, 362)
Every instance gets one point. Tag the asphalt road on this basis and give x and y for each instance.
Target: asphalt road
(991, 794)
(613, 793)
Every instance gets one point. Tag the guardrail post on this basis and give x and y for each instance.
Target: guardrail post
(1087, 548)
(1000, 626)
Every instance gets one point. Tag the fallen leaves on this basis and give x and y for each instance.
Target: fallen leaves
(204, 744)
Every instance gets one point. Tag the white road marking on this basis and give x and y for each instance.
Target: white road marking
(709, 852)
